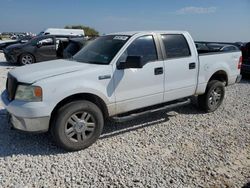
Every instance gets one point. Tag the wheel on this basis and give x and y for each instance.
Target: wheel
(213, 96)
(77, 125)
(26, 59)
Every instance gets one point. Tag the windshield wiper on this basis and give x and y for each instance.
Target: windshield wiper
(96, 62)
(89, 62)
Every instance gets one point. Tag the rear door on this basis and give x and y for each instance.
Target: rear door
(45, 49)
(181, 67)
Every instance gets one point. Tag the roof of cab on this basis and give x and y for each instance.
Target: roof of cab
(131, 33)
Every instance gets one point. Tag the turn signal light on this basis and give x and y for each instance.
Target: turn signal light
(38, 92)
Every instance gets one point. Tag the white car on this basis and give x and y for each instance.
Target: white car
(229, 48)
(113, 77)
(63, 32)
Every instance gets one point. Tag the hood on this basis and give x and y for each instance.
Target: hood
(17, 45)
(8, 41)
(35, 72)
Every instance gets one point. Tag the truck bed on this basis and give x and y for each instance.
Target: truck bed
(211, 61)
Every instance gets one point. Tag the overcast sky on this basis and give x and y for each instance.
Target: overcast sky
(209, 20)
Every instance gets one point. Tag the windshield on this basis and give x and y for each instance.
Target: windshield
(102, 50)
(34, 40)
(41, 33)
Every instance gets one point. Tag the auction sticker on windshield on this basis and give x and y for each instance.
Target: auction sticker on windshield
(120, 38)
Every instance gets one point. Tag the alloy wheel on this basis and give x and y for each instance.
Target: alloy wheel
(215, 97)
(80, 127)
(27, 59)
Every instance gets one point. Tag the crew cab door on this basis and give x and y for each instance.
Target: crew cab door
(139, 87)
(181, 66)
(45, 49)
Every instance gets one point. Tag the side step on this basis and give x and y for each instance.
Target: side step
(134, 115)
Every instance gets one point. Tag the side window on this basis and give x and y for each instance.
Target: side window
(144, 47)
(46, 41)
(227, 49)
(176, 46)
(232, 48)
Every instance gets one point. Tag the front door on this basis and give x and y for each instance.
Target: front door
(45, 49)
(139, 87)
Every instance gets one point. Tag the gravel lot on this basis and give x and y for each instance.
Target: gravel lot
(180, 148)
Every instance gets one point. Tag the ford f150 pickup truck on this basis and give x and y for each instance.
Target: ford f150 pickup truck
(118, 76)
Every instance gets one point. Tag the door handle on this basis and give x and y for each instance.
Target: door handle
(192, 65)
(158, 70)
(103, 77)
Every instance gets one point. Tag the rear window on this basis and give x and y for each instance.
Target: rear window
(176, 46)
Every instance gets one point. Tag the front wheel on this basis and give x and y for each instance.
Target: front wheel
(77, 125)
(26, 59)
(213, 97)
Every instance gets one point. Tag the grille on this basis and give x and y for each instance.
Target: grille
(11, 86)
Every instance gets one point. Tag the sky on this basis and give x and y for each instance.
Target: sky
(206, 20)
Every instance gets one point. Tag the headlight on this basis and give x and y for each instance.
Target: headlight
(29, 93)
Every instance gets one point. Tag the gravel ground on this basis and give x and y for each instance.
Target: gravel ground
(180, 148)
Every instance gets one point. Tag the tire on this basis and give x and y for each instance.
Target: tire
(213, 97)
(26, 59)
(77, 125)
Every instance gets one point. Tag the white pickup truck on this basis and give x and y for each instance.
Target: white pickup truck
(119, 76)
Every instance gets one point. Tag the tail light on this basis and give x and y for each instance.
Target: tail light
(240, 62)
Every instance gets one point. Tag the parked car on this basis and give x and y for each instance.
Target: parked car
(63, 32)
(21, 40)
(239, 44)
(229, 48)
(245, 67)
(113, 77)
(75, 45)
(202, 47)
(208, 47)
(42, 48)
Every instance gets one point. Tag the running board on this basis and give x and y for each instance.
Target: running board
(132, 116)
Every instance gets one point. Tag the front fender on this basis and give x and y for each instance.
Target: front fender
(55, 91)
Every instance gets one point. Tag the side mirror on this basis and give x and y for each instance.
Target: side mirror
(39, 45)
(131, 62)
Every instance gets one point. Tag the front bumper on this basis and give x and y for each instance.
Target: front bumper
(10, 57)
(35, 125)
(25, 118)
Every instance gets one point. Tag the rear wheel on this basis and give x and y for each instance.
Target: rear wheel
(78, 125)
(213, 97)
(26, 59)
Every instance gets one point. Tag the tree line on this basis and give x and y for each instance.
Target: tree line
(87, 30)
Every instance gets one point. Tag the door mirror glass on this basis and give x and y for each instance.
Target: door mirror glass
(39, 44)
(131, 62)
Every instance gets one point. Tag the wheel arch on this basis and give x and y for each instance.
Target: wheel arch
(20, 55)
(220, 75)
(81, 96)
